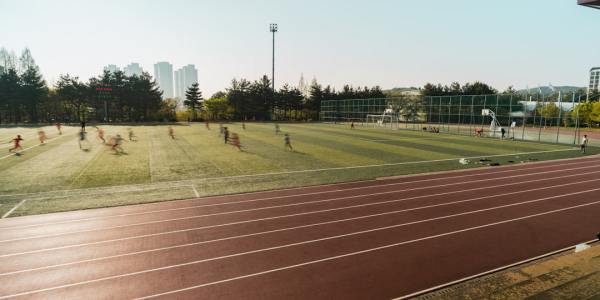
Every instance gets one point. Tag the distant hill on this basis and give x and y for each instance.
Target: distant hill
(402, 91)
(546, 90)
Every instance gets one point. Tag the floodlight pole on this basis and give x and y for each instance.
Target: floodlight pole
(273, 29)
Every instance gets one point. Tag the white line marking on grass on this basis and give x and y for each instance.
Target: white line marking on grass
(47, 141)
(320, 240)
(281, 230)
(313, 212)
(326, 200)
(260, 199)
(309, 202)
(146, 187)
(151, 154)
(13, 209)
(312, 170)
(195, 191)
(366, 251)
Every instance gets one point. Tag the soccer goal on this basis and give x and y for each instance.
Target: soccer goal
(494, 125)
(387, 119)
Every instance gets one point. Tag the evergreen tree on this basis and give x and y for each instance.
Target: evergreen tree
(33, 92)
(193, 96)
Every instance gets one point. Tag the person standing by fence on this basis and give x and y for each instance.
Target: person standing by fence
(584, 143)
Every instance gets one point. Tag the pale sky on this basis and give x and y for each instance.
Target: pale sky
(388, 43)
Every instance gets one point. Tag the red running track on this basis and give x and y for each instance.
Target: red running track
(377, 239)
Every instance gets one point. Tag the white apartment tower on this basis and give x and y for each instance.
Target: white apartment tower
(184, 78)
(133, 69)
(163, 74)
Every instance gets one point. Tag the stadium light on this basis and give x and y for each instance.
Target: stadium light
(273, 29)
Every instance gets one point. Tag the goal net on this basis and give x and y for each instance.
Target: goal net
(382, 120)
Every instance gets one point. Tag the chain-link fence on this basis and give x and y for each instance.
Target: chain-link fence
(554, 118)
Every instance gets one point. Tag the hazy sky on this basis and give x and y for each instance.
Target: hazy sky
(387, 43)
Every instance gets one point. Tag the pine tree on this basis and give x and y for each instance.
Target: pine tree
(193, 96)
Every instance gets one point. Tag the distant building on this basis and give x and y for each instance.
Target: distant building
(184, 78)
(111, 68)
(133, 69)
(595, 79)
(163, 74)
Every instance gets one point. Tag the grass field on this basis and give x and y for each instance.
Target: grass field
(59, 176)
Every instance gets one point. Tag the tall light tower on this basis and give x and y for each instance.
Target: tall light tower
(273, 29)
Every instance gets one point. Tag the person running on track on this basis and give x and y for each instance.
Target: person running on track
(352, 125)
(42, 136)
(101, 134)
(17, 142)
(584, 143)
(171, 133)
(288, 143)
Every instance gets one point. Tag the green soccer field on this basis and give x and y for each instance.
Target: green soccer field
(59, 176)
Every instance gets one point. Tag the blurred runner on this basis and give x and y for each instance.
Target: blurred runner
(226, 134)
(42, 136)
(101, 134)
(83, 143)
(277, 129)
(59, 127)
(288, 143)
(132, 136)
(116, 144)
(17, 142)
(235, 141)
(171, 132)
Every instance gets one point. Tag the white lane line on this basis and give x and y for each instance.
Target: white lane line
(369, 250)
(315, 193)
(13, 209)
(444, 285)
(299, 214)
(278, 230)
(305, 203)
(195, 191)
(48, 141)
(301, 203)
(319, 240)
(310, 171)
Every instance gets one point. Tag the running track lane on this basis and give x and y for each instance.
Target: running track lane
(364, 240)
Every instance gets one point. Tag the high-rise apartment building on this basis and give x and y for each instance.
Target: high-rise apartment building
(184, 78)
(595, 79)
(133, 69)
(163, 75)
(111, 68)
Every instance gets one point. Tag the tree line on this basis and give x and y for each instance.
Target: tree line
(256, 100)
(111, 97)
